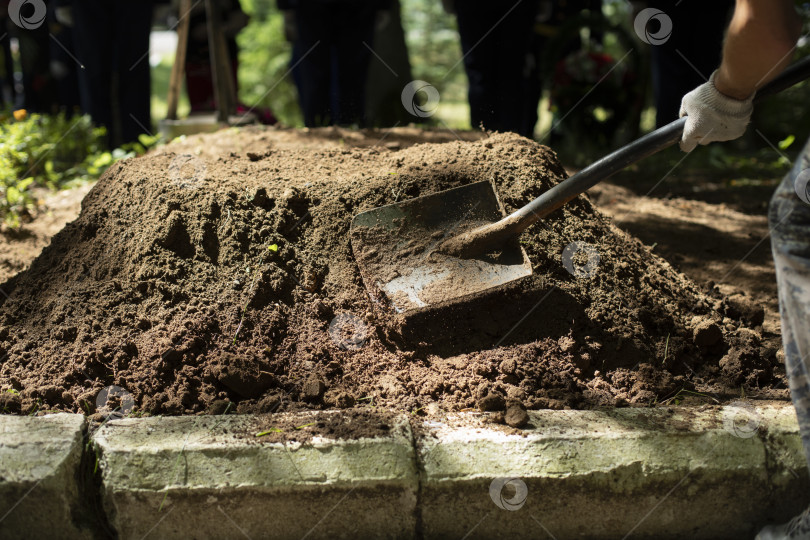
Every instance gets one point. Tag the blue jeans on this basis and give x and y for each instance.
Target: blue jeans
(789, 220)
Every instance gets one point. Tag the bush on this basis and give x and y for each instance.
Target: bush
(51, 151)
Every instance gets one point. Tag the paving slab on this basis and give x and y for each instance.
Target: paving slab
(40, 494)
(712, 472)
(212, 477)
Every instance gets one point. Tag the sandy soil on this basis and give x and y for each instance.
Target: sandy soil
(705, 241)
(167, 286)
(19, 247)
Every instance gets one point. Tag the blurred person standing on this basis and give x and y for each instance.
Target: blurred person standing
(63, 65)
(25, 22)
(332, 41)
(8, 94)
(39, 88)
(549, 18)
(496, 39)
(387, 71)
(686, 58)
(111, 40)
(48, 71)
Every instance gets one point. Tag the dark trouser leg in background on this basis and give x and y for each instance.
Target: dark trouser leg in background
(112, 42)
(93, 39)
(356, 25)
(495, 56)
(332, 75)
(692, 52)
(134, 21)
(313, 44)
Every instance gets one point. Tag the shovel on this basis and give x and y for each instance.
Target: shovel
(449, 245)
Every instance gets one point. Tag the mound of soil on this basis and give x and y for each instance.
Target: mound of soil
(215, 281)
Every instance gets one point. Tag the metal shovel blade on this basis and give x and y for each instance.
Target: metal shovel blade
(393, 247)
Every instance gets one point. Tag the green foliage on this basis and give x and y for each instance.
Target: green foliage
(264, 56)
(434, 48)
(51, 151)
(264, 63)
(785, 143)
(757, 163)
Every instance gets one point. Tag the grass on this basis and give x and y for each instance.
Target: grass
(666, 349)
(370, 400)
(174, 470)
(279, 430)
(268, 432)
(453, 115)
(678, 397)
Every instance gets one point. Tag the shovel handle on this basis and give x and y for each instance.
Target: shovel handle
(492, 236)
(637, 150)
(597, 171)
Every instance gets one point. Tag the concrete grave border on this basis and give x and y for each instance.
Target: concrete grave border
(706, 472)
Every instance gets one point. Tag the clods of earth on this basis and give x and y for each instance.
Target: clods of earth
(205, 279)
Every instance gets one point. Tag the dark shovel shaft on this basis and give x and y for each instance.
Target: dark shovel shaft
(489, 237)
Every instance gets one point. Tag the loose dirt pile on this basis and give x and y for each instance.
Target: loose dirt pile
(211, 284)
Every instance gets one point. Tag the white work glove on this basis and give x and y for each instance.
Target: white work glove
(712, 116)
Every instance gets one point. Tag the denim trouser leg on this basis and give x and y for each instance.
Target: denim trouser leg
(790, 239)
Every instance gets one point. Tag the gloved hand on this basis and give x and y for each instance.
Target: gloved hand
(712, 116)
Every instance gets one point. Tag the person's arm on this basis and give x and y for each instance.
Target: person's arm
(758, 46)
(761, 37)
